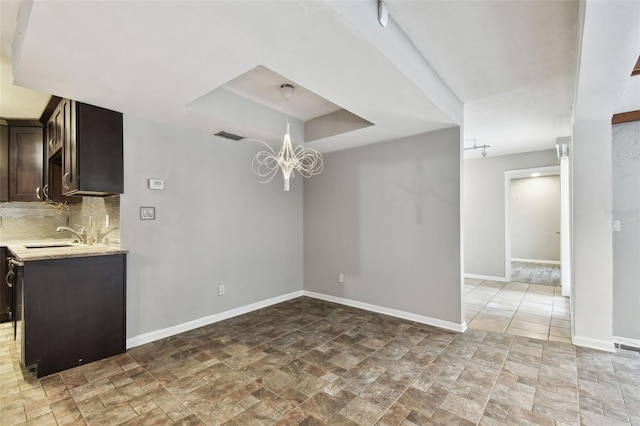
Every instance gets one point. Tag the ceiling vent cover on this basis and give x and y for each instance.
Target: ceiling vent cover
(228, 135)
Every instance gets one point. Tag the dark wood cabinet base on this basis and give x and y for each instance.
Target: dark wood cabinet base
(6, 292)
(73, 311)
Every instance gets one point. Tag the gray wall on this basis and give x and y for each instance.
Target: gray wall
(215, 224)
(592, 297)
(483, 204)
(387, 216)
(535, 218)
(626, 243)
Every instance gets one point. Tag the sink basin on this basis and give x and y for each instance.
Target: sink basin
(48, 245)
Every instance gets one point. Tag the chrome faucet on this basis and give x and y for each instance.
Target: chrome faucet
(102, 235)
(82, 234)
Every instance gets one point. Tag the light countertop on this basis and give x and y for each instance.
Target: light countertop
(29, 250)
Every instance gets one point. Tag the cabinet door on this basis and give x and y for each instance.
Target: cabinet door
(52, 133)
(55, 130)
(54, 178)
(93, 151)
(6, 295)
(4, 163)
(25, 163)
(69, 148)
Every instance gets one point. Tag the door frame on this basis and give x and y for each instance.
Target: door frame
(518, 174)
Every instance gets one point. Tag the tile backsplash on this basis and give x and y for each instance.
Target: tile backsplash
(91, 214)
(33, 220)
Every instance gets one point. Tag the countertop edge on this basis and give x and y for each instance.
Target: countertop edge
(23, 254)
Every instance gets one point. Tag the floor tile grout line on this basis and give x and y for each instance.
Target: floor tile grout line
(493, 387)
(549, 324)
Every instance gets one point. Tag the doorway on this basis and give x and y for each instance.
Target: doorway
(533, 207)
(533, 249)
(534, 216)
(532, 309)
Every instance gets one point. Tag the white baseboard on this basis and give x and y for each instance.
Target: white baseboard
(587, 342)
(626, 341)
(448, 325)
(152, 336)
(486, 277)
(551, 262)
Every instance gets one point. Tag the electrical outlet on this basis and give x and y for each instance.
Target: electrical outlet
(221, 290)
(341, 278)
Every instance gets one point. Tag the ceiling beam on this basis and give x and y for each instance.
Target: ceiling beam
(599, 88)
(398, 48)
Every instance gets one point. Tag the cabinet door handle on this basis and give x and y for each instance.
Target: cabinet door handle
(64, 180)
(38, 193)
(9, 278)
(45, 191)
(51, 144)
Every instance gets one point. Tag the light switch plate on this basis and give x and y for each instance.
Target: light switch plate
(615, 224)
(147, 213)
(156, 184)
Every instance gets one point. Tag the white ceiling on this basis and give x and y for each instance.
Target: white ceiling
(15, 102)
(155, 58)
(262, 86)
(512, 64)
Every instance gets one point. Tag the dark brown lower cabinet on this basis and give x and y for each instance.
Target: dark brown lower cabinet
(6, 293)
(72, 311)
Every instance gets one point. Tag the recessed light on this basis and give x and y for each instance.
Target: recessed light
(535, 174)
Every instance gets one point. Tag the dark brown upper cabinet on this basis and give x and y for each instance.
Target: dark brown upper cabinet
(85, 150)
(56, 127)
(54, 182)
(25, 164)
(58, 134)
(4, 163)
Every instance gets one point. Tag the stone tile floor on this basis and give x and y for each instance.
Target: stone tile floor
(520, 309)
(312, 362)
(536, 273)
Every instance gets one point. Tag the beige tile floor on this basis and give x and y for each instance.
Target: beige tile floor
(520, 309)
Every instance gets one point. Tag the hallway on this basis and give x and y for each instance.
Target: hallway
(535, 273)
(516, 308)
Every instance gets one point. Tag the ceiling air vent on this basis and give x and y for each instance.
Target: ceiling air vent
(228, 135)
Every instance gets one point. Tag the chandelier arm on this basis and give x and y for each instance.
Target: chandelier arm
(265, 144)
(308, 161)
(265, 166)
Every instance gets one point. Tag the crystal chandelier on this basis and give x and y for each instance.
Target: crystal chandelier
(307, 161)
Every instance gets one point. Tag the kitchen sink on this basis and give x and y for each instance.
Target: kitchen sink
(48, 245)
